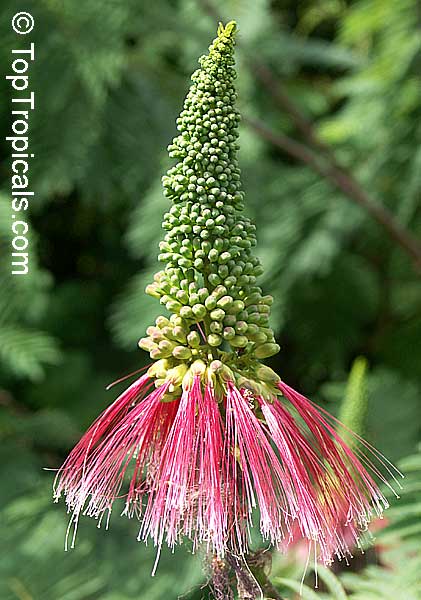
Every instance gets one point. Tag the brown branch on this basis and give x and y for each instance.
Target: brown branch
(247, 586)
(328, 168)
(346, 184)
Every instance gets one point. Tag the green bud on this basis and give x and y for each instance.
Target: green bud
(179, 334)
(235, 307)
(165, 348)
(186, 312)
(214, 279)
(252, 299)
(225, 302)
(215, 326)
(214, 339)
(267, 375)
(213, 255)
(198, 368)
(193, 339)
(147, 344)
(162, 322)
(230, 320)
(173, 306)
(199, 311)
(182, 296)
(229, 333)
(210, 302)
(241, 327)
(239, 341)
(258, 337)
(153, 290)
(219, 291)
(217, 315)
(266, 350)
(159, 369)
(181, 353)
(176, 374)
(207, 241)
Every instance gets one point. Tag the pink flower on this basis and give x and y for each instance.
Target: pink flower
(199, 466)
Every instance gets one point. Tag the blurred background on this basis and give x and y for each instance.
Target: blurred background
(331, 159)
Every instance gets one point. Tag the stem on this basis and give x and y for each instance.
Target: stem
(247, 586)
(220, 582)
(252, 577)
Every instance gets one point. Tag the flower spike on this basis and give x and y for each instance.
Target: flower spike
(209, 434)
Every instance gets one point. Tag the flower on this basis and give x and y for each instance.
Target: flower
(209, 435)
(202, 464)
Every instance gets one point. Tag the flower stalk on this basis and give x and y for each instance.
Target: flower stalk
(210, 440)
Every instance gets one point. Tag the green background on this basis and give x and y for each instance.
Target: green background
(339, 78)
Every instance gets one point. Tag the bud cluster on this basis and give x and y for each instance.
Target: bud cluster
(209, 280)
(258, 380)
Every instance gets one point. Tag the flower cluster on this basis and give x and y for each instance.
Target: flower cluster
(209, 435)
(210, 273)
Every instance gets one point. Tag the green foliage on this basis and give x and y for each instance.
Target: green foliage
(109, 78)
(24, 349)
(354, 406)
